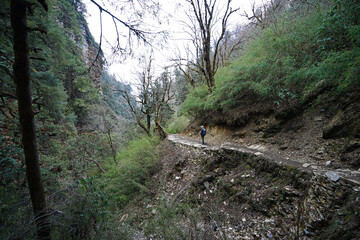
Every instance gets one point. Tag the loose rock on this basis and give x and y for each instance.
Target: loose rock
(305, 165)
(333, 176)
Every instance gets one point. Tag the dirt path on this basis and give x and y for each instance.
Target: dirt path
(260, 150)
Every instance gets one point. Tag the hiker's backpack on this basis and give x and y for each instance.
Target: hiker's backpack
(203, 132)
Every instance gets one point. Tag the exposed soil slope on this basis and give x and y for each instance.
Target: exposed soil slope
(314, 135)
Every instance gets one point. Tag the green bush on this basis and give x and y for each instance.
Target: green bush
(127, 179)
(340, 26)
(177, 124)
(82, 210)
(13, 192)
(340, 69)
(276, 62)
(195, 100)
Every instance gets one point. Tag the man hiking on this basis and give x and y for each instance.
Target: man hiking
(202, 134)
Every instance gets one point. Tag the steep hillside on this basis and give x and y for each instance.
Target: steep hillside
(307, 56)
(294, 88)
(77, 121)
(66, 67)
(228, 192)
(318, 134)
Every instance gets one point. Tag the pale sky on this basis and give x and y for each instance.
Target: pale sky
(172, 12)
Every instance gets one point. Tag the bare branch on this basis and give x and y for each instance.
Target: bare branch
(38, 58)
(139, 33)
(207, 15)
(224, 23)
(37, 29)
(5, 105)
(126, 96)
(96, 162)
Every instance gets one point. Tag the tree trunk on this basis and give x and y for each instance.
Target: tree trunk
(22, 80)
(207, 53)
(112, 145)
(158, 129)
(148, 119)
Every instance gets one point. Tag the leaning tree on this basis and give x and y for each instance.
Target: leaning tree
(21, 67)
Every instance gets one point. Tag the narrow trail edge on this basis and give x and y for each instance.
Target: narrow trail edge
(349, 176)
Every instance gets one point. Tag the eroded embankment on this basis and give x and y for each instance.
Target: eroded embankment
(243, 194)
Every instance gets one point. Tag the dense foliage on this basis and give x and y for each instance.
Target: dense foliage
(110, 88)
(80, 121)
(127, 179)
(304, 50)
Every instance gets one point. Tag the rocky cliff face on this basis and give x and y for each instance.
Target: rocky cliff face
(91, 56)
(72, 19)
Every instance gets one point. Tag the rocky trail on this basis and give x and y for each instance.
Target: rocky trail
(260, 150)
(239, 191)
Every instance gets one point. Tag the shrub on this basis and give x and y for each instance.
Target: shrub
(13, 191)
(126, 180)
(177, 124)
(82, 210)
(195, 101)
